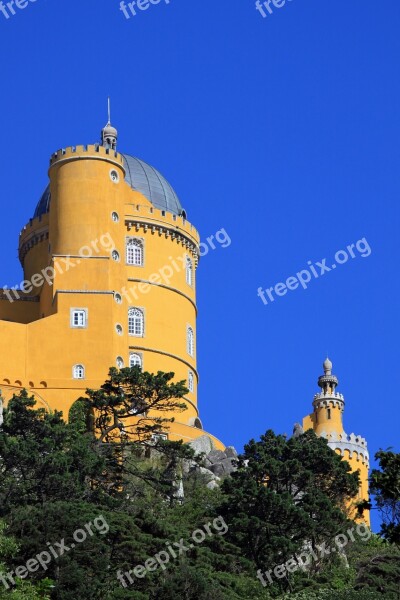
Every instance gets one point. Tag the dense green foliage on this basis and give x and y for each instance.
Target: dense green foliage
(124, 403)
(286, 498)
(385, 484)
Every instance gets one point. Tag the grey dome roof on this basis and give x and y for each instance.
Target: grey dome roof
(149, 182)
(43, 206)
(143, 178)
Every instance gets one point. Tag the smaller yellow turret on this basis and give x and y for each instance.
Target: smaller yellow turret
(327, 421)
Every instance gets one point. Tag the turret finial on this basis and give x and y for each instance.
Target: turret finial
(109, 134)
(328, 366)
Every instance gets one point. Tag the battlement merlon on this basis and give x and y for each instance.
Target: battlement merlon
(91, 152)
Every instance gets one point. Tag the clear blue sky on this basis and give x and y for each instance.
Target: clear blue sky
(284, 131)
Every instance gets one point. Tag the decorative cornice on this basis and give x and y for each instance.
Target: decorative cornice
(144, 349)
(35, 239)
(167, 287)
(167, 231)
(20, 299)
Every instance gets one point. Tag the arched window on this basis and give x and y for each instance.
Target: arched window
(120, 362)
(134, 252)
(135, 360)
(189, 271)
(190, 341)
(78, 372)
(135, 322)
(191, 382)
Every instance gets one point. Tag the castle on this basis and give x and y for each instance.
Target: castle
(95, 295)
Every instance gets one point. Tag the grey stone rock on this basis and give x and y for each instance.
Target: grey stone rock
(216, 456)
(228, 465)
(203, 444)
(218, 469)
(188, 465)
(297, 430)
(230, 452)
(212, 485)
(206, 472)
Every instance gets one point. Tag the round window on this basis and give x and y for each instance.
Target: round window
(115, 255)
(115, 217)
(118, 298)
(118, 329)
(114, 176)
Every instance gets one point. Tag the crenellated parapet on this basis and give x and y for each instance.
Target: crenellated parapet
(329, 400)
(354, 444)
(144, 218)
(95, 151)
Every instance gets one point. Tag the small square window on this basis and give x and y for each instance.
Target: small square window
(78, 317)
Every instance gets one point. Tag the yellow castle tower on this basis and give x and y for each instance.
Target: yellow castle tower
(327, 421)
(109, 261)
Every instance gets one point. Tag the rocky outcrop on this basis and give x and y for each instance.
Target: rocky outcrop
(216, 463)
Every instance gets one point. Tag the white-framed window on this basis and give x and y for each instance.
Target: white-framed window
(136, 322)
(120, 362)
(79, 317)
(191, 381)
(189, 271)
(159, 436)
(135, 360)
(190, 341)
(134, 252)
(78, 372)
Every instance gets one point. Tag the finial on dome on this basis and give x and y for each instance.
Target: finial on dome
(109, 134)
(328, 366)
